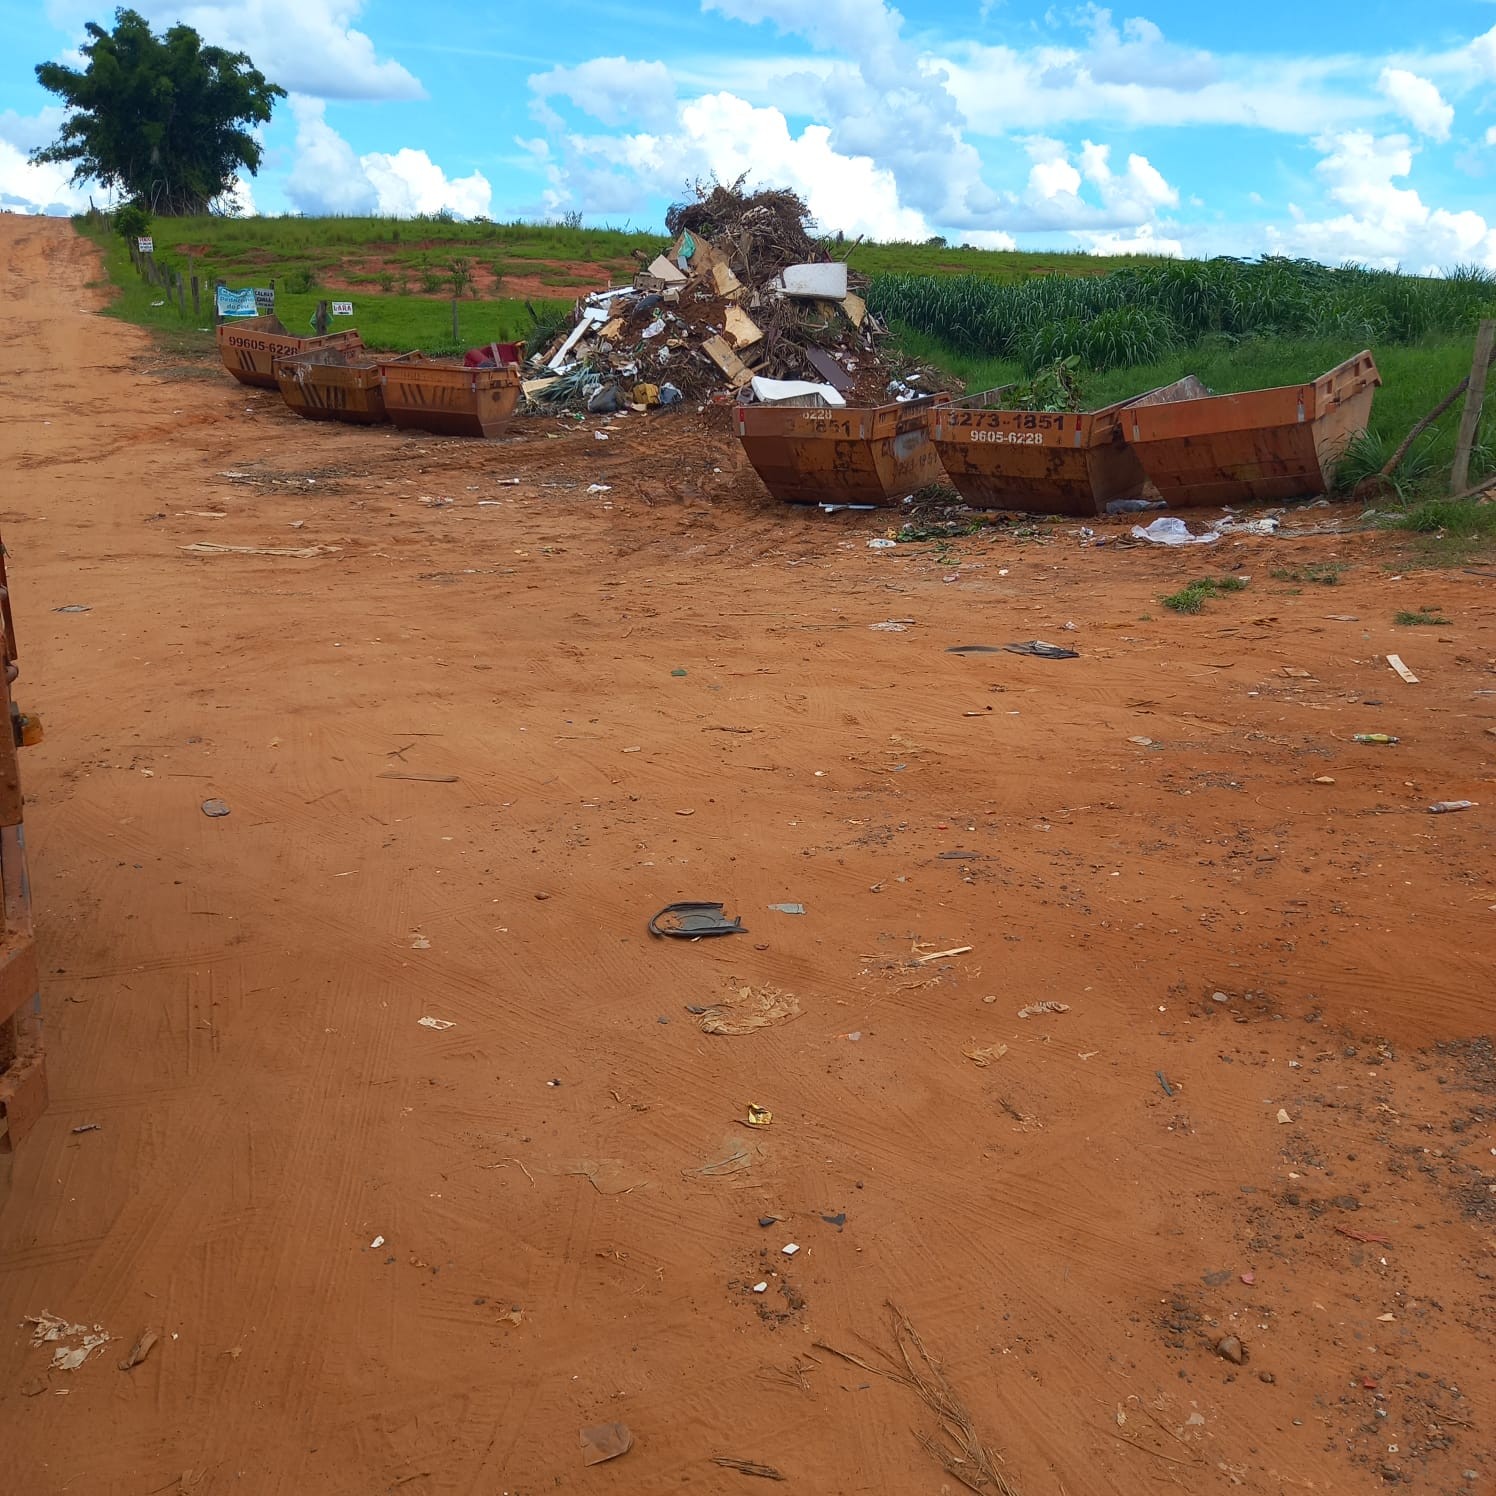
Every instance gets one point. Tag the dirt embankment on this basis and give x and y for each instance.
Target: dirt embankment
(473, 743)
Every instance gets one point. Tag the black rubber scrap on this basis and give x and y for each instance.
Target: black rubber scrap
(693, 921)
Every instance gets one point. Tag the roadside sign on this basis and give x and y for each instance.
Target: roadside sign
(342, 309)
(264, 300)
(146, 245)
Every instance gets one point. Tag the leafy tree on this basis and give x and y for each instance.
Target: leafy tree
(160, 119)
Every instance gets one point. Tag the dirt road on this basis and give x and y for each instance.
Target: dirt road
(472, 743)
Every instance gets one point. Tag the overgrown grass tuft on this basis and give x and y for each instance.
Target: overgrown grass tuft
(1430, 616)
(1192, 597)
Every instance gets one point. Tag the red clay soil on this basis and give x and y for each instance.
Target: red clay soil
(482, 734)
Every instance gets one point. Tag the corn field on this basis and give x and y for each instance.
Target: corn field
(1137, 315)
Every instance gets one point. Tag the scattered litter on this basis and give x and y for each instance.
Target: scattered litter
(880, 543)
(48, 1328)
(769, 1220)
(955, 950)
(892, 626)
(1283, 1116)
(759, 1116)
(984, 1057)
(436, 1023)
(747, 1467)
(600, 436)
(1298, 673)
(73, 608)
(301, 552)
(420, 943)
(87, 1127)
(599, 488)
(215, 808)
(788, 908)
(1228, 526)
(1043, 651)
(1142, 742)
(839, 1219)
(1169, 530)
(747, 1009)
(1444, 807)
(693, 921)
(420, 778)
(1324, 779)
(790, 1248)
(1367, 1238)
(1373, 737)
(1134, 506)
(610, 1176)
(760, 1288)
(1163, 1081)
(1395, 661)
(1249, 1278)
(376, 1243)
(976, 649)
(605, 1441)
(734, 1160)
(1034, 1009)
(140, 1350)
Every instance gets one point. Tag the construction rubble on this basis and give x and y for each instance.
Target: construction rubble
(743, 305)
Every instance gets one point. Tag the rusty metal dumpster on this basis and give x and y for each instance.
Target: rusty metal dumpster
(1262, 444)
(249, 347)
(1044, 462)
(23, 1073)
(842, 454)
(442, 395)
(334, 384)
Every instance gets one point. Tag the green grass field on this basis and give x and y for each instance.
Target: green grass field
(387, 322)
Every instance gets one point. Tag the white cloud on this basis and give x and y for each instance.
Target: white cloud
(1139, 55)
(307, 46)
(25, 188)
(329, 177)
(1491, 135)
(1145, 241)
(613, 90)
(1384, 224)
(1418, 101)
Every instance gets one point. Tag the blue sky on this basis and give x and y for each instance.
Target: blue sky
(1341, 131)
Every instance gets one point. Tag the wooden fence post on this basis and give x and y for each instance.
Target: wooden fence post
(217, 316)
(456, 336)
(197, 304)
(1475, 394)
(181, 295)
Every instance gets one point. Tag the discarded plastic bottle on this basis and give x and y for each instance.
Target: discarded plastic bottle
(1443, 807)
(1374, 737)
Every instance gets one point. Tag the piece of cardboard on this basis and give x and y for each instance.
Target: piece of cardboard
(855, 308)
(740, 328)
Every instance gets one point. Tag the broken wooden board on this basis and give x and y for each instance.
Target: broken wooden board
(740, 328)
(662, 270)
(724, 281)
(1395, 661)
(727, 361)
(855, 308)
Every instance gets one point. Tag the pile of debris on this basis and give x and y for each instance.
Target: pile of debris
(744, 304)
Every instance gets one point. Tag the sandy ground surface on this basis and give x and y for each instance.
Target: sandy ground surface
(386, 1257)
